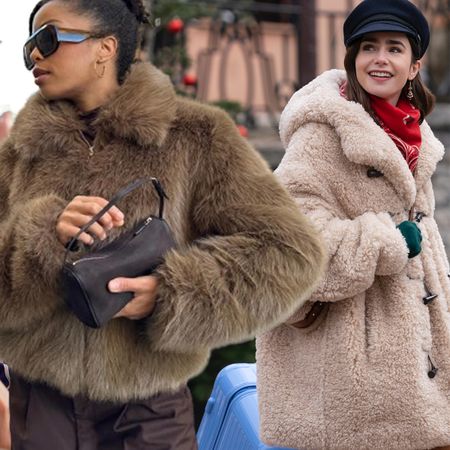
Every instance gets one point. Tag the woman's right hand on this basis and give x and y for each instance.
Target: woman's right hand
(79, 212)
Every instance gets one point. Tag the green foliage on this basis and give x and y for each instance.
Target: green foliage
(172, 61)
(233, 108)
(169, 52)
(165, 10)
(169, 49)
(202, 385)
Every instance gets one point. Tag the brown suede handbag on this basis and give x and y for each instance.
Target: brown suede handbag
(135, 253)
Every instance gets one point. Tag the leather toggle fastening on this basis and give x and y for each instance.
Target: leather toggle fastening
(429, 298)
(374, 173)
(419, 216)
(433, 369)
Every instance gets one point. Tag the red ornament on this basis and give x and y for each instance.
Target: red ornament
(243, 131)
(175, 25)
(190, 79)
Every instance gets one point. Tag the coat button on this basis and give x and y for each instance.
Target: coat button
(419, 216)
(433, 369)
(429, 298)
(374, 173)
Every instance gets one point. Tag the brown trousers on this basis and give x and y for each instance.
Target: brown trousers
(42, 418)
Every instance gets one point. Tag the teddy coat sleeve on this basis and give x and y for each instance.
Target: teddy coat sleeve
(30, 254)
(358, 248)
(257, 260)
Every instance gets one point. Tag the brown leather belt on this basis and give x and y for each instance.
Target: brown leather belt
(312, 315)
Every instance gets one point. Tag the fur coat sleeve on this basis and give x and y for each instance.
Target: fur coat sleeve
(258, 260)
(27, 238)
(359, 248)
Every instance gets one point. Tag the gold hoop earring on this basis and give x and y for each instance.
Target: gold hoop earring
(410, 93)
(102, 74)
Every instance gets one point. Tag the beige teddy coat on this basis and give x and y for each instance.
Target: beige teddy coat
(357, 378)
(245, 255)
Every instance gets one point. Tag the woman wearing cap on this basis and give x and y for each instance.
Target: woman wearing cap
(365, 363)
(245, 256)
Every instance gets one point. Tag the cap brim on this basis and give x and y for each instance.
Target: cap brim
(375, 27)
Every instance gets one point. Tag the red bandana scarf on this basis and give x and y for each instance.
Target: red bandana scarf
(401, 124)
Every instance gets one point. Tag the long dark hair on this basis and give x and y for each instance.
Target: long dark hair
(120, 18)
(423, 99)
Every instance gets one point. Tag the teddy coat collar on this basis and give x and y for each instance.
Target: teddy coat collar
(143, 122)
(369, 145)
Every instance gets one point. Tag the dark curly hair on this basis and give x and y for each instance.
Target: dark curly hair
(120, 18)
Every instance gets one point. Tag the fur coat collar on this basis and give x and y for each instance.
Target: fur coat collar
(143, 121)
(321, 102)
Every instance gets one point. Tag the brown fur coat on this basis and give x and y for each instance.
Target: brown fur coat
(245, 260)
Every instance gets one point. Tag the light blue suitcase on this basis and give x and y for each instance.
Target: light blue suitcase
(231, 419)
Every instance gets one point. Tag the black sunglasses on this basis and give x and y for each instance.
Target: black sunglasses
(47, 38)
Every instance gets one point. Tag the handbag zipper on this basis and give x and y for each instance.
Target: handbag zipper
(147, 221)
(89, 259)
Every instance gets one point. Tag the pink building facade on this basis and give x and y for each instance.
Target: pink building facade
(258, 64)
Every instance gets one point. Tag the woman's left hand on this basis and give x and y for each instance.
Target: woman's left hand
(145, 292)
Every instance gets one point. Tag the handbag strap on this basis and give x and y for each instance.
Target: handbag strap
(115, 199)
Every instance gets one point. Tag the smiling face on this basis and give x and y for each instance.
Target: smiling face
(384, 64)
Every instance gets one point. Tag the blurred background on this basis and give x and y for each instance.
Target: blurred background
(251, 56)
(248, 57)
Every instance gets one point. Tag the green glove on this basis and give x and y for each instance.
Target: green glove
(413, 237)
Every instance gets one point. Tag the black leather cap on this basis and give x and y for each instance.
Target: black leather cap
(387, 15)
